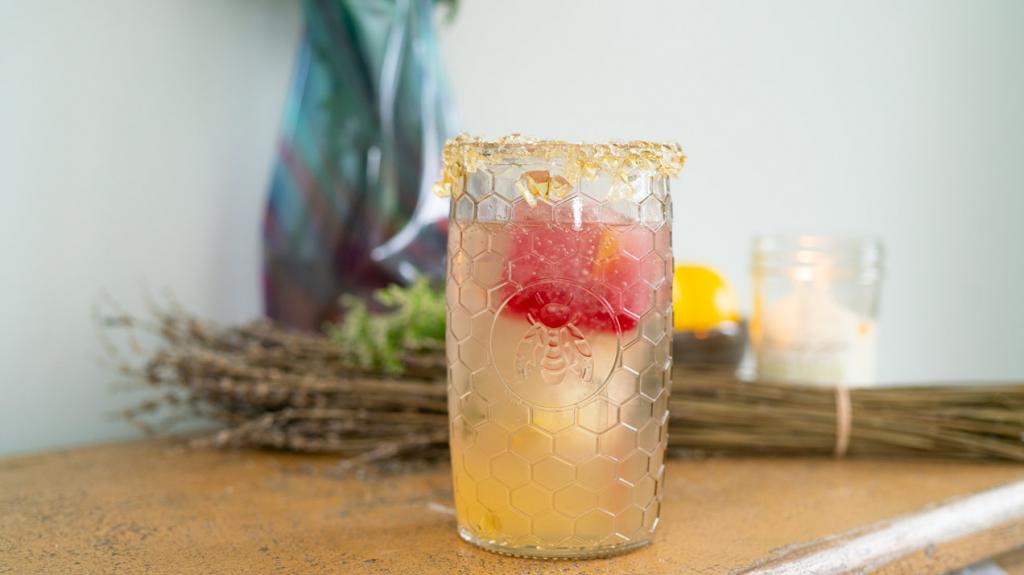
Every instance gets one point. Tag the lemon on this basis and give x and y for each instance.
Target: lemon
(701, 299)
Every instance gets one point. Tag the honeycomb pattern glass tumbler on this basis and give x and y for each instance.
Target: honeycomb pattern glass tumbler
(559, 342)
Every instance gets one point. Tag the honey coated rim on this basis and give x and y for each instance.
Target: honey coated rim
(623, 161)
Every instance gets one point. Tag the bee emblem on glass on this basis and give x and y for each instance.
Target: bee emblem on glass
(554, 346)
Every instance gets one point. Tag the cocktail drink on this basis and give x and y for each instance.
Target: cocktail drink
(559, 342)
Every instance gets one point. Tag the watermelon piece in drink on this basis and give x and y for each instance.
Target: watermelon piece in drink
(605, 276)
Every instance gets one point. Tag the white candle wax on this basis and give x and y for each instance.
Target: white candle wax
(808, 337)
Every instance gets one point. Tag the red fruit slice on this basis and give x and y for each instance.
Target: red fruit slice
(589, 274)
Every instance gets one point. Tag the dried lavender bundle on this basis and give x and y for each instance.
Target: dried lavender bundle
(965, 420)
(304, 392)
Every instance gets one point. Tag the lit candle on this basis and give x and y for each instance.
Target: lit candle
(813, 332)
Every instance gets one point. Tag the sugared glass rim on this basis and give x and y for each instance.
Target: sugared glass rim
(624, 161)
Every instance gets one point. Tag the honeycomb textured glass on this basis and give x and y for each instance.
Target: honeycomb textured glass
(559, 355)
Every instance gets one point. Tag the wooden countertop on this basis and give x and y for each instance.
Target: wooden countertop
(157, 507)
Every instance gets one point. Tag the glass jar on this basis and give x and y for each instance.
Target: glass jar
(815, 309)
(559, 342)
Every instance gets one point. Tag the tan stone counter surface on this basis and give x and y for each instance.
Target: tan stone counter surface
(156, 507)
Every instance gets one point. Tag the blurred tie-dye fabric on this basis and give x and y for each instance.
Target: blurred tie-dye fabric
(351, 207)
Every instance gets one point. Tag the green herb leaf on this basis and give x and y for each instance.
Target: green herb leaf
(414, 320)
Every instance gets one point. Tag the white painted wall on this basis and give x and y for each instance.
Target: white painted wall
(136, 140)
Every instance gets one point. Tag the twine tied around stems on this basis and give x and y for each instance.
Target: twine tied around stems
(844, 420)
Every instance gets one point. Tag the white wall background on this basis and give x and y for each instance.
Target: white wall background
(136, 141)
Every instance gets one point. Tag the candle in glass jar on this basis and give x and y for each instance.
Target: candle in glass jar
(814, 310)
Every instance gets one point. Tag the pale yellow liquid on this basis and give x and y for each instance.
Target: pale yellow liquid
(552, 470)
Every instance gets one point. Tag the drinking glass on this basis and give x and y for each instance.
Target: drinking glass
(559, 342)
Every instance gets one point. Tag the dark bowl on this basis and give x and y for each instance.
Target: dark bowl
(719, 348)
